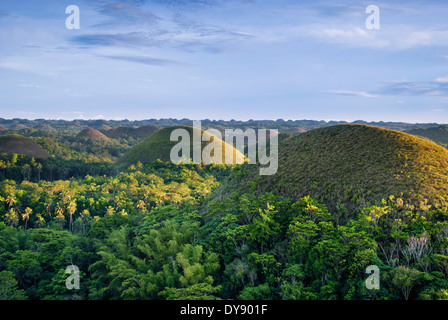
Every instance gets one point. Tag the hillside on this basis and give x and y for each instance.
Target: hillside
(18, 144)
(18, 126)
(437, 134)
(158, 146)
(90, 134)
(129, 132)
(353, 165)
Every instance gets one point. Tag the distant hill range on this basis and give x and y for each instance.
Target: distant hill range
(437, 134)
(284, 126)
(347, 166)
(18, 144)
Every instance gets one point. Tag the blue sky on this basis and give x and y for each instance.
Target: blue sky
(233, 59)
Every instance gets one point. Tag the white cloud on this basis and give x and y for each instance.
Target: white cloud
(30, 85)
(352, 93)
(441, 80)
(393, 37)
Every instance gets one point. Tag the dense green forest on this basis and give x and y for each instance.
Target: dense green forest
(165, 231)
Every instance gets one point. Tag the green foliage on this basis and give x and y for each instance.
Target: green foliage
(9, 287)
(163, 231)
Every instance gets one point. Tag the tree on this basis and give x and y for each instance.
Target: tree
(38, 170)
(10, 200)
(26, 268)
(40, 222)
(418, 249)
(26, 216)
(26, 171)
(12, 218)
(71, 208)
(405, 279)
(9, 287)
(264, 227)
(200, 291)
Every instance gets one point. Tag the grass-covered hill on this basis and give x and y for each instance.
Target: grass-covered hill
(437, 134)
(130, 132)
(347, 166)
(20, 145)
(90, 134)
(158, 146)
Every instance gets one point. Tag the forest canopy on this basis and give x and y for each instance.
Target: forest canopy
(161, 231)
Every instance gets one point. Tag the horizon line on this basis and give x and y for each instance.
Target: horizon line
(218, 120)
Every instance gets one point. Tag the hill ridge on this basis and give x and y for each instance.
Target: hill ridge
(91, 135)
(158, 146)
(15, 143)
(348, 165)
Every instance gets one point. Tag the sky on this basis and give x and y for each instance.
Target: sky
(228, 59)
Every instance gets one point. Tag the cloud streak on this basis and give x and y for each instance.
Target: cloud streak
(438, 87)
(145, 60)
(141, 24)
(351, 93)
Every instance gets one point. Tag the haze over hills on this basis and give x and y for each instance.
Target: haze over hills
(284, 126)
(20, 145)
(158, 146)
(352, 165)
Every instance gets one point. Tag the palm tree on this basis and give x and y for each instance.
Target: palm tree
(39, 170)
(110, 210)
(26, 216)
(40, 222)
(60, 219)
(71, 210)
(10, 201)
(12, 218)
(85, 215)
(26, 171)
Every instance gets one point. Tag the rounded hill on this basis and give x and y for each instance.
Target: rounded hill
(20, 145)
(158, 147)
(90, 134)
(347, 166)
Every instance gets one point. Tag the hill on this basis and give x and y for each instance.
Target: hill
(45, 127)
(158, 146)
(347, 166)
(18, 126)
(437, 134)
(90, 134)
(18, 144)
(129, 132)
